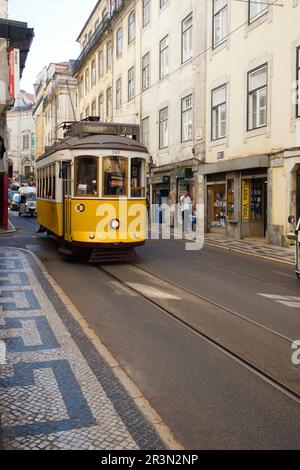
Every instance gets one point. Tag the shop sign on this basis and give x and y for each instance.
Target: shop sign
(14, 72)
(245, 200)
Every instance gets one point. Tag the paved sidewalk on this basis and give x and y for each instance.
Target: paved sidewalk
(56, 389)
(248, 247)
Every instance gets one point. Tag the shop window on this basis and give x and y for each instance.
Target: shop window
(217, 205)
(138, 186)
(115, 171)
(256, 210)
(86, 176)
(231, 200)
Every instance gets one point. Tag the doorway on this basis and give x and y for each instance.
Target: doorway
(67, 200)
(298, 195)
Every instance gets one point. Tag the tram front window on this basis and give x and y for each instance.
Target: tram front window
(138, 186)
(115, 171)
(86, 176)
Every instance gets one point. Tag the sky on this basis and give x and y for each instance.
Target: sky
(57, 24)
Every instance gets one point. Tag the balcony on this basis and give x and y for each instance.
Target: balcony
(100, 30)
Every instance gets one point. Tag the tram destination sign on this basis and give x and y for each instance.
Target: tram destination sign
(81, 128)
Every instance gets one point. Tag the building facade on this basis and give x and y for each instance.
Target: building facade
(15, 42)
(55, 102)
(141, 63)
(20, 137)
(251, 176)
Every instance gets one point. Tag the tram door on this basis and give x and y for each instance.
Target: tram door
(67, 200)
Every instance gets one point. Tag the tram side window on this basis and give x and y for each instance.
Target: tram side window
(86, 176)
(138, 186)
(53, 182)
(115, 171)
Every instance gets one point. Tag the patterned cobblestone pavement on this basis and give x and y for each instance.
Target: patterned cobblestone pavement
(247, 247)
(56, 391)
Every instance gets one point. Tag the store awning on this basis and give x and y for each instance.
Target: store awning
(19, 36)
(236, 164)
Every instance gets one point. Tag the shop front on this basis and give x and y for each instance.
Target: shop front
(237, 197)
(171, 182)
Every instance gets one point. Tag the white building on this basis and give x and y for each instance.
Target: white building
(55, 101)
(20, 130)
(141, 63)
(252, 171)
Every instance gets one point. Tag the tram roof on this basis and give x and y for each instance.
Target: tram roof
(95, 141)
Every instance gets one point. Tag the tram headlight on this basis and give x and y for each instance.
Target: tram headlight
(115, 224)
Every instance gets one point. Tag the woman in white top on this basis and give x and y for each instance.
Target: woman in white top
(186, 207)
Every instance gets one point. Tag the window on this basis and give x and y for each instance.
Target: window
(146, 12)
(86, 177)
(187, 118)
(81, 86)
(87, 80)
(257, 98)
(93, 72)
(146, 71)
(118, 93)
(119, 42)
(187, 38)
(257, 9)
(101, 107)
(109, 55)
(164, 57)
(162, 3)
(220, 21)
(138, 183)
(100, 64)
(109, 102)
(87, 112)
(115, 170)
(218, 113)
(94, 112)
(25, 142)
(145, 131)
(163, 128)
(131, 27)
(298, 83)
(131, 84)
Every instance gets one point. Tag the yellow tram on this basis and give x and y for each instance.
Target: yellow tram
(91, 190)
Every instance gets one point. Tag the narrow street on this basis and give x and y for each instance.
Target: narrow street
(206, 336)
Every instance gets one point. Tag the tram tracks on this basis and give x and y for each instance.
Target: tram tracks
(255, 347)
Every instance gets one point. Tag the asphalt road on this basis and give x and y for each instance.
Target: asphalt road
(209, 400)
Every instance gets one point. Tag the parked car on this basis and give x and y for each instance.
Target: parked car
(27, 204)
(15, 202)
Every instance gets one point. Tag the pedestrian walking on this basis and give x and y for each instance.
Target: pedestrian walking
(186, 208)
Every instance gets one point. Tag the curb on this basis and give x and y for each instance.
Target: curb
(162, 430)
(256, 255)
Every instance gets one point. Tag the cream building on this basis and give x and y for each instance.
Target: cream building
(252, 172)
(15, 42)
(55, 101)
(140, 62)
(20, 137)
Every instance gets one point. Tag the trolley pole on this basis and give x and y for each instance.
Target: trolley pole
(151, 190)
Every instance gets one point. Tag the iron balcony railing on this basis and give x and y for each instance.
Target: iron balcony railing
(100, 30)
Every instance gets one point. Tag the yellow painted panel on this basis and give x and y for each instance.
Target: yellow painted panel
(93, 218)
(50, 216)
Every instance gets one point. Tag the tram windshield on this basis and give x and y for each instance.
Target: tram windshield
(86, 179)
(115, 170)
(138, 184)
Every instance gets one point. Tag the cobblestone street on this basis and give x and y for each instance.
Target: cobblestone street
(56, 391)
